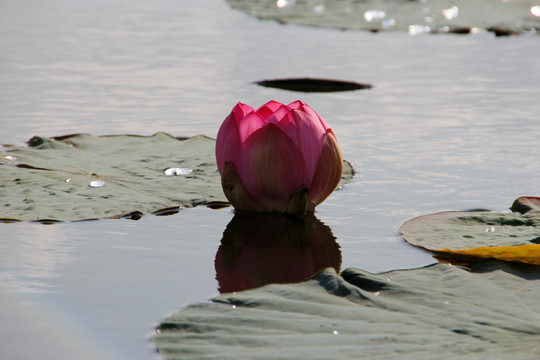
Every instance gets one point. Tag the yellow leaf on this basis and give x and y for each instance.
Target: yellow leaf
(528, 254)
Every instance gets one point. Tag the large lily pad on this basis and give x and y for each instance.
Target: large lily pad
(437, 312)
(480, 234)
(415, 17)
(83, 177)
(78, 177)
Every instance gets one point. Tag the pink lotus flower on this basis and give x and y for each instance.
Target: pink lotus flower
(278, 158)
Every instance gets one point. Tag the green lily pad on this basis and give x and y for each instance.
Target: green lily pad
(437, 312)
(78, 177)
(441, 16)
(525, 204)
(468, 236)
(460, 230)
(83, 177)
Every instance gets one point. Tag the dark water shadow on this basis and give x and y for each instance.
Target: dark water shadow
(260, 249)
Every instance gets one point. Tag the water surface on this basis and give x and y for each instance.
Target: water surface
(450, 124)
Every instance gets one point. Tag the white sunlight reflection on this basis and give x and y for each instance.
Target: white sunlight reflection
(374, 15)
(285, 3)
(451, 13)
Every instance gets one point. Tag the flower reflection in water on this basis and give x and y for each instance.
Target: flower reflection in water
(264, 248)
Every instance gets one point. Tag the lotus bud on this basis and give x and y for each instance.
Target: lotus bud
(278, 158)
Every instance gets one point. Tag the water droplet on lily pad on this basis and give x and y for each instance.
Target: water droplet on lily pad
(451, 13)
(177, 171)
(319, 9)
(388, 23)
(96, 183)
(374, 15)
(285, 3)
(418, 29)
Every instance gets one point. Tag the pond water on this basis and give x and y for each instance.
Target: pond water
(451, 123)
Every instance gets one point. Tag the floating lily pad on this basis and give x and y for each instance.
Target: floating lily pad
(525, 204)
(479, 234)
(83, 177)
(313, 85)
(501, 17)
(78, 177)
(437, 312)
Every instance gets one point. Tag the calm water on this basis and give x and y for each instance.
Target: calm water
(451, 124)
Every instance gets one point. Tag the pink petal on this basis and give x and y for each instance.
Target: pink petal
(328, 171)
(311, 113)
(286, 122)
(298, 104)
(279, 114)
(228, 138)
(310, 138)
(269, 108)
(241, 110)
(271, 167)
(249, 124)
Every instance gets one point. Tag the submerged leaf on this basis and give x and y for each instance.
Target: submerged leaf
(78, 177)
(437, 312)
(470, 236)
